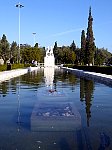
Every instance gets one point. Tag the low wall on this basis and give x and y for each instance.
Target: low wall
(102, 78)
(99, 69)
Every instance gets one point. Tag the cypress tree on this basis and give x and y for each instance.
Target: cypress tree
(90, 45)
(36, 45)
(73, 46)
(55, 51)
(83, 48)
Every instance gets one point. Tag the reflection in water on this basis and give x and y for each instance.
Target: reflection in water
(36, 78)
(65, 78)
(56, 115)
(104, 141)
(49, 76)
(86, 94)
(33, 78)
(18, 108)
(3, 88)
(8, 86)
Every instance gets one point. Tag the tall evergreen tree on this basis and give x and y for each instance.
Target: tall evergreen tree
(73, 46)
(5, 48)
(55, 51)
(90, 45)
(83, 48)
(36, 45)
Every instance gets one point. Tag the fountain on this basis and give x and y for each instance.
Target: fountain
(54, 111)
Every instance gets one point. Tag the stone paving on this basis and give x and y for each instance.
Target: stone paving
(7, 75)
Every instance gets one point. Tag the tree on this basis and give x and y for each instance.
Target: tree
(13, 51)
(102, 56)
(83, 48)
(55, 51)
(72, 57)
(90, 45)
(77, 52)
(73, 46)
(0, 49)
(99, 59)
(5, 48)
(32, 53)
(36, 45)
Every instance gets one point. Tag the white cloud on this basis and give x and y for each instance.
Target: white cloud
(65, 32)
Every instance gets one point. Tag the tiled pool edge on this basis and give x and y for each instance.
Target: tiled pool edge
(7, 75)
(102, 78)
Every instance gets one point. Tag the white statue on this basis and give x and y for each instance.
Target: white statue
(49, 60)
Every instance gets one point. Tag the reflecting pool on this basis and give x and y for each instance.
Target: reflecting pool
(51, 109)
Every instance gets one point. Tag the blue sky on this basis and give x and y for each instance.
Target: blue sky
(56, 20)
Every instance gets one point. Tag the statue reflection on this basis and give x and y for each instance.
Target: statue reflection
(86, 94)
(49, 76)
(55, 119)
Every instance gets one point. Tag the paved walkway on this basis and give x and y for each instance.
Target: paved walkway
(6, 75)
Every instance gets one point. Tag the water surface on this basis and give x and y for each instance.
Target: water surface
(76, 115)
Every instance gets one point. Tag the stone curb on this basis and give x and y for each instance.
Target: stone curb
(7, 75)
(102, 78)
